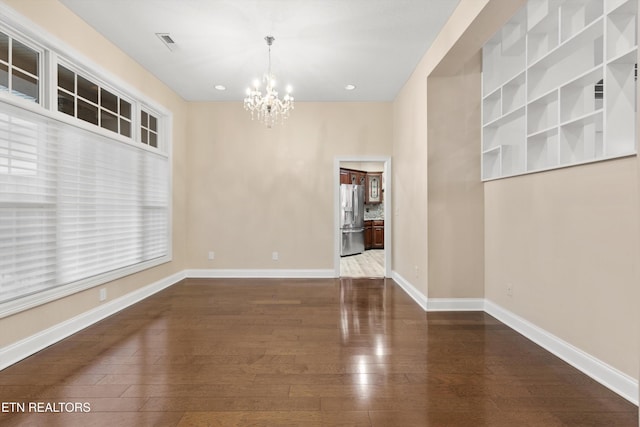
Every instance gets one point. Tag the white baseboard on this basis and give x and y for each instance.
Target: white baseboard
(26, 347)
(417, 296)
(264, 274)
(455, 304)
(610, 377)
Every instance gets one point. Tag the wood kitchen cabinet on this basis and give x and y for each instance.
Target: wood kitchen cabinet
(358, 177)
(368, 235)
(345, 177)
(351, 176)
(377, 234)
(373, 189)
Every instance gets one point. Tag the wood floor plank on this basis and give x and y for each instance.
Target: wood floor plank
(273, 352)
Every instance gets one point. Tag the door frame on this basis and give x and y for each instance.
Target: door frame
(386, 160)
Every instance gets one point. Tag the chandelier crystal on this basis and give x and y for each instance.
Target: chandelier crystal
(268, 109)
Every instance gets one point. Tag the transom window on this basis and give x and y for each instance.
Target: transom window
(82, 98)
(149, 129)
(19, 69)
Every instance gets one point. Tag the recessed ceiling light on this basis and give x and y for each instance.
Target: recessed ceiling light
(220, 87)
(350, 87)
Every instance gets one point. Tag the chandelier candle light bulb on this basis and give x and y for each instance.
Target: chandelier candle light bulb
(268, 108)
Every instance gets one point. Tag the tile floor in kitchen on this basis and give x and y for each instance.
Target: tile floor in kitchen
(370, 263)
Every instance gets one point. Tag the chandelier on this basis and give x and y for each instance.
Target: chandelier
(268, 109)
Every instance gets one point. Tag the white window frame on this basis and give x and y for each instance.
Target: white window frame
(53, 51)
(42, 71)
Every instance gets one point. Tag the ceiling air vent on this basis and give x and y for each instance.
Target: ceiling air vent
(167, 40)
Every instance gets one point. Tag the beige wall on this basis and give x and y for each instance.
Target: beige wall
(455, 218)
(253, 190)
(472, 22)
(567, 240)
(57, 20)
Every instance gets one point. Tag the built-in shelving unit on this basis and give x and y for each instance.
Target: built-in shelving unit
(559, 86)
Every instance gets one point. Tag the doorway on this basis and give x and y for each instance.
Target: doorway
(374, 174)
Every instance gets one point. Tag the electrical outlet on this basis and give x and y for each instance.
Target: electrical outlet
(510, 290)
(212, 255)
(103, 294)
(274, 256)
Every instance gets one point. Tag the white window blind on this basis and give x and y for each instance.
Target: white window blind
(74, 204)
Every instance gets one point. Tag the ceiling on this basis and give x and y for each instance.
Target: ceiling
(320, 45)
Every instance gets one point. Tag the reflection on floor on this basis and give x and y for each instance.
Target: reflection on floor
(301, 352)
(367, 264)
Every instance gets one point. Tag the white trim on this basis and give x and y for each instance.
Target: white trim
(455, 304)
(27, 302)
(415, 294)
(24, 348)
(607, 375)
(255, 273)
(386, 201)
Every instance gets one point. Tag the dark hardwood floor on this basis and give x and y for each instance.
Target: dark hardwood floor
(355, 352)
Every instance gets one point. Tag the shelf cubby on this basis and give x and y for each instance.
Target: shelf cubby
(582, 140)
(621, 105)
(543, 37)
(622, 29)
(578, 14)
(514, 94)
(543, 113)
(612, 5)
(513, 159)
(578, 55)
(542, 150)
(501, 66)
(513, 34)
(582, 95)
(559, 86)
(491, 163)
(492, 107)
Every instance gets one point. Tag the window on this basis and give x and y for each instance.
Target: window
(77, 207)
(82, 98)
(19, 69)
(149, 129)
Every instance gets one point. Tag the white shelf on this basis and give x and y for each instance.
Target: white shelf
(492, 107)
(514, 94)
(491, 164)
(578, 14)
(543, 113)
(582, 140)
(543, 150)
(559, 86)
(503, 64)
(513, 159)
(621, 105)
(622, 29)
(577, 55)
(504, 131)
(578, 97)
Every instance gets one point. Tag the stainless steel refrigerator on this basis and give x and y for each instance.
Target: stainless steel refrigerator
(352, 219)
